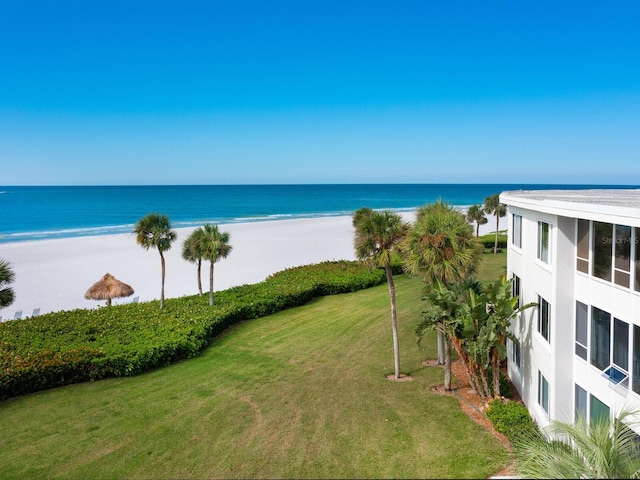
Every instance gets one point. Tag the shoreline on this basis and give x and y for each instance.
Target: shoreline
(54, 274)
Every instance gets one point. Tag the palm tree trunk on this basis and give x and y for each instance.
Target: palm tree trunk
(495, 366)
(163, 269)
(200, 276)
(211, 283)
(495, 245)
(440, 340)
(447, 366)
(477, 229)
(394, 319)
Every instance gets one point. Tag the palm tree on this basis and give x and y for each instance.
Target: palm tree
(440, 247)
(492, 205)
(213, 245)
(605, 449)
(6, 278)
(475, 213)
(376, 238)
(154, 231)
(192, 252)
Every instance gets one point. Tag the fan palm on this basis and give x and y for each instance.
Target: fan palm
(191, 252)
(440, 247)
(605, 449)
(6, 278)
(475, 213)
(377, 235)
(213, 246)
(154, 231)
(492, 205)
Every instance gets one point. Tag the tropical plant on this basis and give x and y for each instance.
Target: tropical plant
(605, 448)
(154, 231)
(492, 205)
(475, 214)
(213, 245)
(377, 236)
(439, 247)
(191, 252)
(6, 279)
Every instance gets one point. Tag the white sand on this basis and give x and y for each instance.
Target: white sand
(54, 274)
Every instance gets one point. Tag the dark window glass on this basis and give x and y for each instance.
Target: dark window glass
(543, 241)
(515, 287)
(583, 246)
(636, 276)
(581, 329)
(602, 250)
(622, 261)
(636, 360)
(600, 338)
(580, 402)
(543, 392)
(599, 411)
(621, 344)
(543, 318)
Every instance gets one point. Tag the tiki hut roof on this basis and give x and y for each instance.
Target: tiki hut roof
(108, 287)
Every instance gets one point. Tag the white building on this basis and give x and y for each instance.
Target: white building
(577, 254)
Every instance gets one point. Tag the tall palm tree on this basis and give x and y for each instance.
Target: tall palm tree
(440, 247)
(6, 278)
(377, 236)
(213, 245)
(492, 205)
(192, 252)
(475, 213)
(154, 231)
(605, 449)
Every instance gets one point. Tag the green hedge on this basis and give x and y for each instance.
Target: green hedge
(489, 240)
(67, 347)
(510, 418)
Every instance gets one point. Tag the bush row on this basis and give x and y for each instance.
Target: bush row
(489, 240)
(80, 345)
(510, 418)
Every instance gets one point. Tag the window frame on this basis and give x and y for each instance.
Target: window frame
(543, 392)
(544, 251)
(544, 319)
(516, 237)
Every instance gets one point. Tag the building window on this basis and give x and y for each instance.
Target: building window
(602, 250)
(636, 237)
(622, 262)
(582, 325)
(599, 411)
(620, 344)
(635, 384)
(543, 241)
(582, 261)
(517, 230)
(543, 392)
(600, 338)
(515, 290)
(543, 318)
(580, 404)
(515, 353)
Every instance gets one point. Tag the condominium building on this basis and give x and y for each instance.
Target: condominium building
(576, 254)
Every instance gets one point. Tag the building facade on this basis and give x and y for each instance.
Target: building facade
(576, 253)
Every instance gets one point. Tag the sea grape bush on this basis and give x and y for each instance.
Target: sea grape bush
(67, 347)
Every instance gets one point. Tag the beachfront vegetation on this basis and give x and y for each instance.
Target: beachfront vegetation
(6, 279)
(154, 231)
(214, 246)
(493, 206)
(440, 248)
(299, 394)
(604, 448)
(74, 346)
(377, 237)
(476, 214)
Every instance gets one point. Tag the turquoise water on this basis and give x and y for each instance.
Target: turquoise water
(32, 213)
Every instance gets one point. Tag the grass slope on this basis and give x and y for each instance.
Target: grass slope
(298, 394)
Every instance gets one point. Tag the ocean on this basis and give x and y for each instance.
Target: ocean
(35, 213)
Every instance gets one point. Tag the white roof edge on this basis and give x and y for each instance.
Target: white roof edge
(621, 203)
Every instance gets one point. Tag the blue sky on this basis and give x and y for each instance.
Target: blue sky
(109, 92)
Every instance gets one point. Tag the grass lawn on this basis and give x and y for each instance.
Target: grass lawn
(298, 394)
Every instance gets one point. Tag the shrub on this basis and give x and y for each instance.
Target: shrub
(510, 418)
(74, 346)
(488, 241)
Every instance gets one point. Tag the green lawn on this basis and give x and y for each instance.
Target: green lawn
(298, 394)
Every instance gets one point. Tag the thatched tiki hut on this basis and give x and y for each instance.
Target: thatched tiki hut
(108, 287)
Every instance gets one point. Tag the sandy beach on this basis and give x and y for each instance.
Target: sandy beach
(54, 274)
